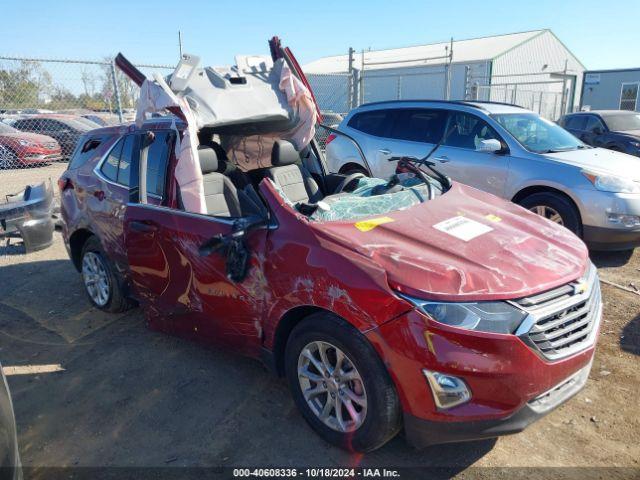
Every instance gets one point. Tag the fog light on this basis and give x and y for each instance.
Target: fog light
(623, 219)
(448, 391)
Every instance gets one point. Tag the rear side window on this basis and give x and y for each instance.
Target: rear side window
(419, 125)
(110, 166)
(157, 162)
(87, 148)
(124, 166)
(372, 122)
(576, 122)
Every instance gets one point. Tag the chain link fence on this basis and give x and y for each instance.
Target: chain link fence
(46, 105)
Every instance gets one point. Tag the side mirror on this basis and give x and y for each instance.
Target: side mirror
(598, 131)
(489, 146)
(214, 244)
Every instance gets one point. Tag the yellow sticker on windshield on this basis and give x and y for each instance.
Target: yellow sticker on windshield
(366, 225)
(493, 218)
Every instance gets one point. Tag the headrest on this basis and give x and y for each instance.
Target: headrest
(284, 153)
(208, 159)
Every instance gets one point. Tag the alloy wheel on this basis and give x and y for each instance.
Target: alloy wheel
(96, 279)
(548, 213)
(332, 386)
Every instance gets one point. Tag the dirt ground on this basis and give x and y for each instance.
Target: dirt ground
(132, 397)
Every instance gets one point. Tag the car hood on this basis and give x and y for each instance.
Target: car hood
(520, 255)
(632, 134)
(32, 137)
(600, 159)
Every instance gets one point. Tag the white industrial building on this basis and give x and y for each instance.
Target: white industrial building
(532, 69)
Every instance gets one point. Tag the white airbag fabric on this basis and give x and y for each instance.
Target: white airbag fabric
(156, 97)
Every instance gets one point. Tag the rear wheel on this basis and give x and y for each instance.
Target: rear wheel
(556, 208)
(104, 286)
(340, 384)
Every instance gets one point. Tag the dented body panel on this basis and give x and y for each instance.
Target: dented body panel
(521, 254)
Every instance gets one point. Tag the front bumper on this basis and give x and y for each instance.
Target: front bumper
(598, 232)
(514, 379)
(421, 433)
(600, 238)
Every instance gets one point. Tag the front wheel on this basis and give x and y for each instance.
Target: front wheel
(340, 385)
(556, 208)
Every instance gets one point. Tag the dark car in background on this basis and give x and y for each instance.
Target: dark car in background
(65, 129)
(617, 130)
(22, 149)
(9, 457)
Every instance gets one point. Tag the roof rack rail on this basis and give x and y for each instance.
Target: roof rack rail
(490, 102)
(468, 103)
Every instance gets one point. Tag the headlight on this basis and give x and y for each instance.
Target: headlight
(611, 183)
(27, 143)
(494, 317)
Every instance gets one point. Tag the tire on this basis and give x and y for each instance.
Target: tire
(554, 203)
(380, 415)
(94, 262)
(349, 169)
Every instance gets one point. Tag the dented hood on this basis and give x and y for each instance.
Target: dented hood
(465, 245)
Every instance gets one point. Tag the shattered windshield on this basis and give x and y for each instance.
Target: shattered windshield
(365, 200)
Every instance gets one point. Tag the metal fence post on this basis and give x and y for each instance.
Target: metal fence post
(361, 92)
(116, 90)
(351, 81)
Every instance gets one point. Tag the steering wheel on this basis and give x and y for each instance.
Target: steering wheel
(348, 180)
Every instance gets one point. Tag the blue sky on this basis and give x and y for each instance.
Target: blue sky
(602, 34)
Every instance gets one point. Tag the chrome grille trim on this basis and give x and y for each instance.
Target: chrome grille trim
(563, 321)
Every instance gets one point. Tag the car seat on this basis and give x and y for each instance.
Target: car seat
(222, 198)
(291, 175)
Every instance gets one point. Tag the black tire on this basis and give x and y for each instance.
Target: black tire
(562, 205)
(350, 168)
(118, 300)
(383, 418)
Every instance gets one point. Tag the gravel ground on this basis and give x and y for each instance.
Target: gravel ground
(132, 397)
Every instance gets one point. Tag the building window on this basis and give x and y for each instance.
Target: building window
(629, 96)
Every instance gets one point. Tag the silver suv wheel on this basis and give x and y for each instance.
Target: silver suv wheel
(96, 279)
(332, 386)
(548, 213)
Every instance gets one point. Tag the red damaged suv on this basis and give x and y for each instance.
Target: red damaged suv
(414, 302)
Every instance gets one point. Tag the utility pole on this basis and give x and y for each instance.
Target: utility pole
(180, 42)
(448, 74)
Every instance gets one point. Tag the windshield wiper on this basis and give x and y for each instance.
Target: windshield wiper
(558, 150)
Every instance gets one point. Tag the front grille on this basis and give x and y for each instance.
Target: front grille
(563, 321)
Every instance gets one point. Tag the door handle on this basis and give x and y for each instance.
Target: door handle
(442, 159)
(143, 226)
(385, 151)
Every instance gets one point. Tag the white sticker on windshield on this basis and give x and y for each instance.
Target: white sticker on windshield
(462, 228)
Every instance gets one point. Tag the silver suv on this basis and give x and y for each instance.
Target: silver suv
(505, 150)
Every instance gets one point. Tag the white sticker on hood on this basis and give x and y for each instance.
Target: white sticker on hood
(463, 228)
